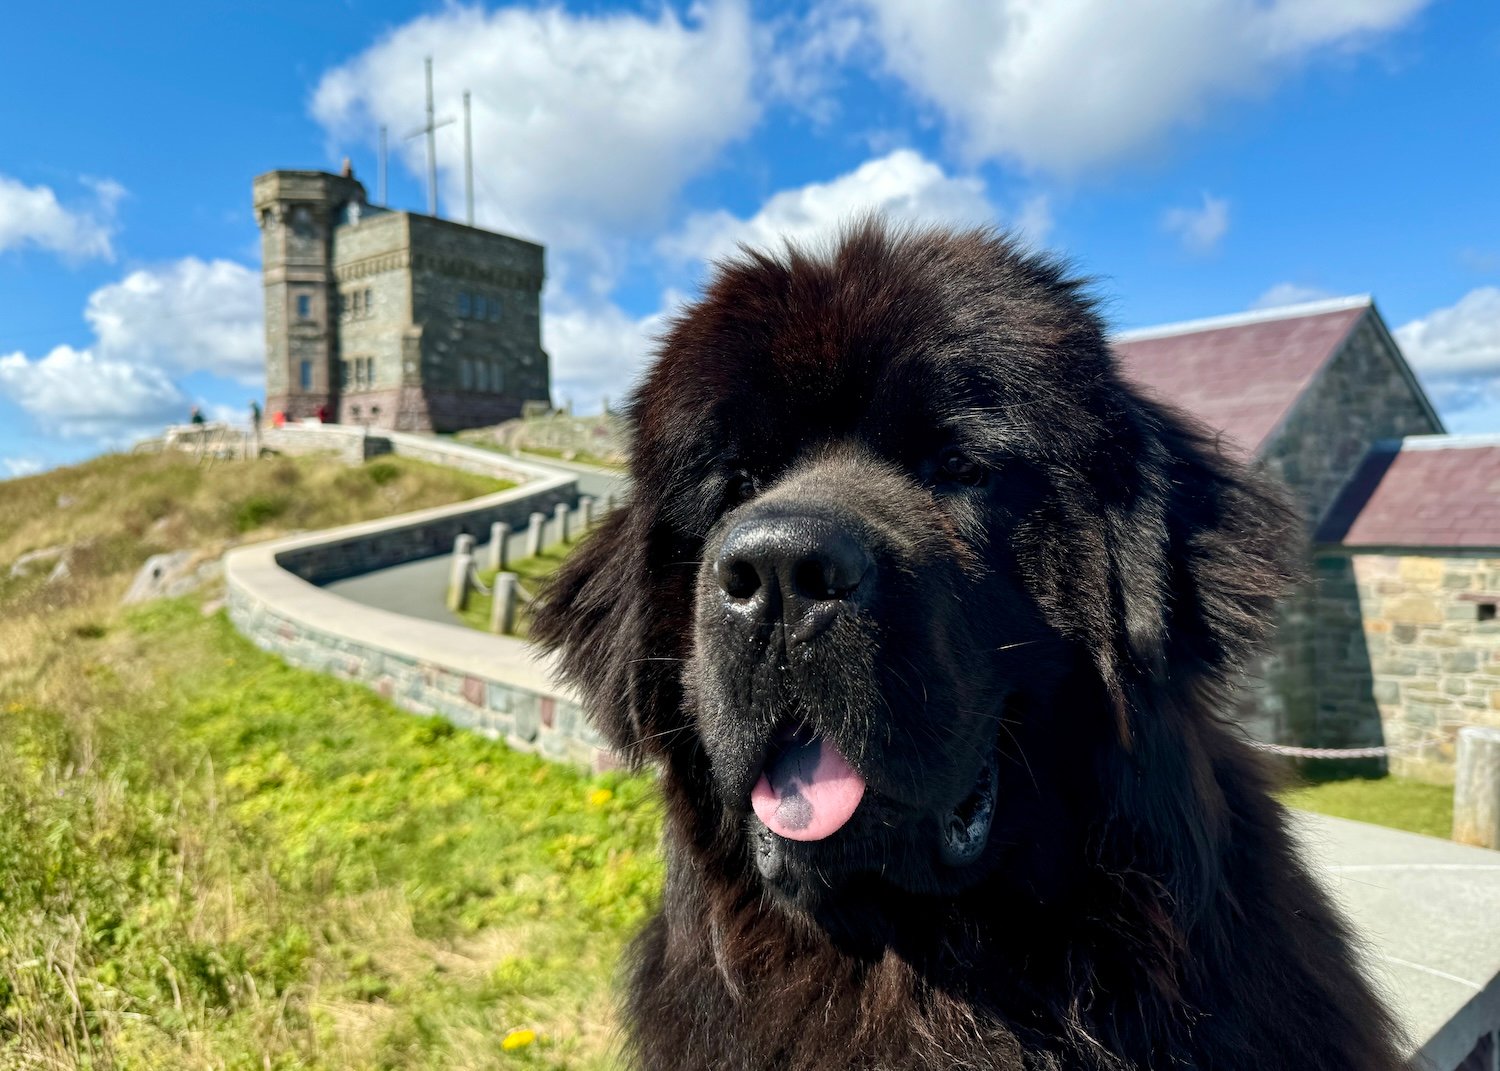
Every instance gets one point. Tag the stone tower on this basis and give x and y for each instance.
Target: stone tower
(394, 319)
(298, 212)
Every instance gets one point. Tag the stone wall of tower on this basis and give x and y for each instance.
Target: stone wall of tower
(477, 298)
(297, 212)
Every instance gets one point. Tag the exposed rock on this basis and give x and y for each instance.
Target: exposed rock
(66, 501)
(180, 572)
(22, 565)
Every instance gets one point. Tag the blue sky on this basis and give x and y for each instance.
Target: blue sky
(1196, 158)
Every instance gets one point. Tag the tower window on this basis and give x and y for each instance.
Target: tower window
(466, 373)
(1485, 611)
(463, 303)
(304, 306)
(494, 310)
(479, 306)
(368, 303)
(304, 375)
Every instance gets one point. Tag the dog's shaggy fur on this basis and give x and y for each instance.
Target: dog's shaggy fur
(1056, 584)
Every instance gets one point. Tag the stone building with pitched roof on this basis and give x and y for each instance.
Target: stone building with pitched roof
(1395, 640)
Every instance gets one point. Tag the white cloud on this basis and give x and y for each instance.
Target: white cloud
(597, 350)
(1283, 294)
(1456, 351)
(801, 57)
(1461, 339)
(1063, 85)
(186, 316)
(76, 394)
(581, 123)
(15, 467)
(904, 186)
(33, 216)
(1200, 229)
(150, 327)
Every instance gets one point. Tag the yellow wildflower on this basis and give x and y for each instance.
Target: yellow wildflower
(600, 796)
(518, 1039)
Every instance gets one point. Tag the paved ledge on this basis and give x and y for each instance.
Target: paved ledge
(1429, 913)
(494, 685)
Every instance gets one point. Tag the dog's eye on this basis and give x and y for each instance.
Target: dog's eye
(954, 466)
(740, 488)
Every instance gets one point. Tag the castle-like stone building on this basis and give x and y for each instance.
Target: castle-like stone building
(394, 319)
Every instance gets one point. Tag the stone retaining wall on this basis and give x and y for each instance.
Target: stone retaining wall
(494, 685)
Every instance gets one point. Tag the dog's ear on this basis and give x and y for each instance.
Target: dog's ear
(1203, 548)
(1167, 568)
(609, 624)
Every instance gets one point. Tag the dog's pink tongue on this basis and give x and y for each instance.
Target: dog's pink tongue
(808, 791)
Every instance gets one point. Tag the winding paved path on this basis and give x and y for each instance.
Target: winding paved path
(417, 588)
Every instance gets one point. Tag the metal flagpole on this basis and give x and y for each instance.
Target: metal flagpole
(431, 147)
(468, 166)
(382, 166)
(431, 131)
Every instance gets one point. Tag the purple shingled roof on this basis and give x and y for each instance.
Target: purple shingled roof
(1239, 374)
(1426, 491)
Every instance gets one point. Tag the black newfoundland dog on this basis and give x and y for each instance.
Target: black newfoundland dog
(930, 623)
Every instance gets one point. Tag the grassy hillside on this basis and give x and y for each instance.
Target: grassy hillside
(112, 513)
(214, 860)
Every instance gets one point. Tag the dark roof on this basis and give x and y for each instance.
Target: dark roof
(1242, 374)
(1423, 491)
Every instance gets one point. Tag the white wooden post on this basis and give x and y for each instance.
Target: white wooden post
(585, 513)
(534, 535)
(499, 545)
(463, 544)
(503, 609)
(458, 581)
(560, 512)
(1476, 788)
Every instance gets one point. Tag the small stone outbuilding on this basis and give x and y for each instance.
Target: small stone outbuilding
(1395, 640)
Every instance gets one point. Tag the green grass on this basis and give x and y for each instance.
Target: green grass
(582, 457)
(532, 571)
(214, 860)
(1383, 801)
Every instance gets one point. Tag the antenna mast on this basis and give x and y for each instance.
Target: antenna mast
(430, 129)
(468, 165)
(382, 166)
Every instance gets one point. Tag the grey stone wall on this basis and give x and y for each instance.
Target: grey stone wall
(1407, 649)
(545, 722)
(296, 212)
(1362, 396)
(477, 369)
(490, 684)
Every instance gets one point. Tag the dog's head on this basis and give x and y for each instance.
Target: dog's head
(905, 566)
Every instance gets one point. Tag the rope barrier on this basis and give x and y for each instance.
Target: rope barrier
(1380, 751)
(479, 585)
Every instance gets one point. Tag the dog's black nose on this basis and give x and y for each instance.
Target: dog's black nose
(794, 568)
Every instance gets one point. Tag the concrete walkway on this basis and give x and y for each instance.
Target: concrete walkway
(418, 588)
(1429, 913)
